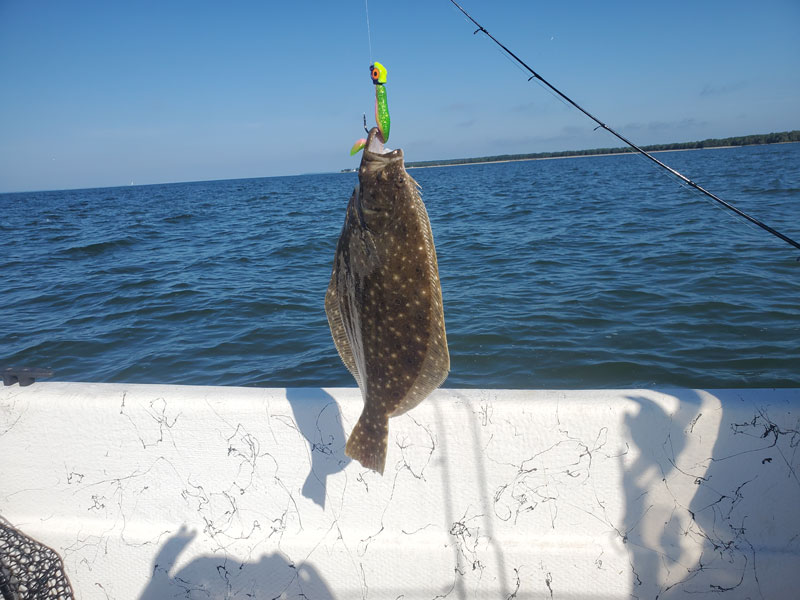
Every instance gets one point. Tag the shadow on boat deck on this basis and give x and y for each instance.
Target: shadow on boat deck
(272, 576)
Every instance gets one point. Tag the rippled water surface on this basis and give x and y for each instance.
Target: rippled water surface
(573, 273)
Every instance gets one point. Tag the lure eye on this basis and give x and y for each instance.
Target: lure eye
(378, 73)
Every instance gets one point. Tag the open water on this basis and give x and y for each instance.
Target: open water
(572, 273)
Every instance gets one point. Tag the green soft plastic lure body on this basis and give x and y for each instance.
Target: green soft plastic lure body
(378, 74)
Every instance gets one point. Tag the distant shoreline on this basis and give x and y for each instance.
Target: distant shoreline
(508, 160)
(784, 137)
(416, 165)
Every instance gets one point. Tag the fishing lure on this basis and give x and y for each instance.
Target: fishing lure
(378, 74)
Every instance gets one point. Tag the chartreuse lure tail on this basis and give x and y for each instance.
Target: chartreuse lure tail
(378, 73)
(358, 146)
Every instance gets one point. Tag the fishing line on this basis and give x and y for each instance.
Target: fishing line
(369, 33)
(601, 125)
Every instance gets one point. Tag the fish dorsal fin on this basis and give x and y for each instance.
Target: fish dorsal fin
(333, 304)
(338, 331)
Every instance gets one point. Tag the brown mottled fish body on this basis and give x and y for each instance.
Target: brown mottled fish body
(384, 301)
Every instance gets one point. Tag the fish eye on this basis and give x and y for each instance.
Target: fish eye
(375, 73)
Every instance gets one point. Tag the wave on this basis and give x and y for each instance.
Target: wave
(100, 248)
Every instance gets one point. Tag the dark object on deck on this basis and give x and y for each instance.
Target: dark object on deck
(23, 375)
(29, 569)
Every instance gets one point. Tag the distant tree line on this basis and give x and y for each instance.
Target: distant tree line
(745, 140)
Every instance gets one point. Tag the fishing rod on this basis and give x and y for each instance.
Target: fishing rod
(600, 124)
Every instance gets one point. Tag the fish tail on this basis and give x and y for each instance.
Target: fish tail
(368, 441)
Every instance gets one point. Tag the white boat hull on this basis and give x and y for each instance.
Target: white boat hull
(158, 491)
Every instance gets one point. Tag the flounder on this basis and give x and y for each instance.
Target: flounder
(384, 300)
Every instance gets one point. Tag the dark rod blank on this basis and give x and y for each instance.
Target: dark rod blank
(680, 176)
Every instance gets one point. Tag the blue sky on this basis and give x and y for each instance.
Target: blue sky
(105, 93)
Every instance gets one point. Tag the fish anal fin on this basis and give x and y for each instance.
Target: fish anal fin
(433, 373)
(436, 364)
(368, 442)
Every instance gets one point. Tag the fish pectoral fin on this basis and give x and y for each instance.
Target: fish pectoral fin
(338, 332)
(368, 442)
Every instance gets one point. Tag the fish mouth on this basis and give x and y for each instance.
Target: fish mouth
(375, 149)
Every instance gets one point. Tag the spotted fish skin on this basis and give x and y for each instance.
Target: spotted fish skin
(384, 300)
